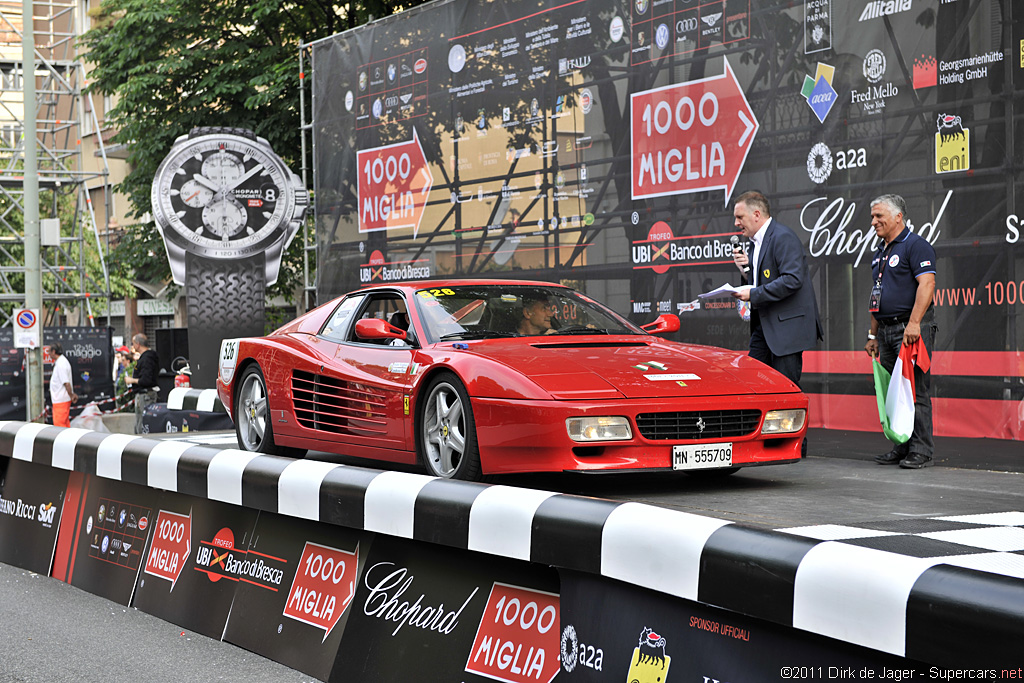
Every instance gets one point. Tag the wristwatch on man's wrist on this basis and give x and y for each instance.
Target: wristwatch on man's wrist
(227, 207)
(871, 335)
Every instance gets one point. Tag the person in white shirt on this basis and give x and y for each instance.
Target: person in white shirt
(62, 393)
(784, 319)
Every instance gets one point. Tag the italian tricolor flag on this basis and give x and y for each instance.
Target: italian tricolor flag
(895, 393)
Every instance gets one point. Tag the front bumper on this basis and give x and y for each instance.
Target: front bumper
(530, 436)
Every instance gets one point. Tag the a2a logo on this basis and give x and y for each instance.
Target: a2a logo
(573, 653)
(851, 158)
(821, 160)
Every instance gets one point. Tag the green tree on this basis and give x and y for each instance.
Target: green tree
(177, 64)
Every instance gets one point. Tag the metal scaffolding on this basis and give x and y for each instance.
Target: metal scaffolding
(62, 111)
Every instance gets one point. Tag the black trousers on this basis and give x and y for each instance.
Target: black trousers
(890, 340)
(791, 365)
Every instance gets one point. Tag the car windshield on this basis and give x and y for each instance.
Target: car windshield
(491, 311)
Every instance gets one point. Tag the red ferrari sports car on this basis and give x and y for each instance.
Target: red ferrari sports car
(472, 378)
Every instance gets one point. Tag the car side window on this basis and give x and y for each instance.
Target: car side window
(389, 307)
(338, 324)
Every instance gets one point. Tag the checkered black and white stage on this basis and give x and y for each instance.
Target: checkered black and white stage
(942, 590)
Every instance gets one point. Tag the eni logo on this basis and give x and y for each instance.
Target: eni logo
(649, 663)
(952, 145)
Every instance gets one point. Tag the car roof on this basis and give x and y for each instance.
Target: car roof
(417, 285)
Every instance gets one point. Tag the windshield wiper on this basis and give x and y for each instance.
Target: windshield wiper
(475, 334)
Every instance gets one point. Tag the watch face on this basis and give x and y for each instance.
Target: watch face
(223, 196)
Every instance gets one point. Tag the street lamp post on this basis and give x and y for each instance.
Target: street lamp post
(33, 269)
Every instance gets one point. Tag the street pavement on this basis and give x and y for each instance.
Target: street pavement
(55, 632)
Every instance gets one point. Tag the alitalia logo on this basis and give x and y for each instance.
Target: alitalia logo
(882, 8)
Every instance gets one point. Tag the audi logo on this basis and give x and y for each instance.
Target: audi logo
(686, 25)
(391, 101)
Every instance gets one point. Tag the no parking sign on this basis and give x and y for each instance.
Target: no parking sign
(26, 328)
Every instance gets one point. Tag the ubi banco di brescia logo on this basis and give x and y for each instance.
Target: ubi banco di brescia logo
(663, 250)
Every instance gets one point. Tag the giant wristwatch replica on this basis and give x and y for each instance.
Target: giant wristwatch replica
(226, 207)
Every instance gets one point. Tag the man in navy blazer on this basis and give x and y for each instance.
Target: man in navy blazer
(784, 318)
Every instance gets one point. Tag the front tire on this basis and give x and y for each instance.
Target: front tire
(447, 443)
(252, 417)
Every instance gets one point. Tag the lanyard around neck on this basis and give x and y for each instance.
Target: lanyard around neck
(885, 260)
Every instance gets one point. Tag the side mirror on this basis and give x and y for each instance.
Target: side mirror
(665, 323)
(374, 328)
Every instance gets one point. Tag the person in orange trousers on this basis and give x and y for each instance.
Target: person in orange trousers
(62, 393)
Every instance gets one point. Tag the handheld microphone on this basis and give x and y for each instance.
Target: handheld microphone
(735, 240)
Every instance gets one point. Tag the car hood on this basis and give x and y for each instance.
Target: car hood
(633, 367)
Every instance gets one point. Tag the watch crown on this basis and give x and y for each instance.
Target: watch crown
(301, 202)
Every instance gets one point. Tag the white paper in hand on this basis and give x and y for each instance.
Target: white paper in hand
(724, 290)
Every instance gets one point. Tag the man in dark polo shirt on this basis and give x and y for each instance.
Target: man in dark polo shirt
(143, 379)
(903, 270)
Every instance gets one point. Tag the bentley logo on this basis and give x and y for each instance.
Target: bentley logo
(701, 424)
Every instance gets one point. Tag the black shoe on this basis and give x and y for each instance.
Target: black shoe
(890, 458)
(916, 461)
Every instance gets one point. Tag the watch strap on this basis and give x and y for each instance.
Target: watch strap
(225, 300)
(221, 130)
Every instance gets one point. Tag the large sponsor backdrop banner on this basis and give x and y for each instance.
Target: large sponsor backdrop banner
(658, 639)
(599, 143)
(31, 500)
(103, 534)
(90, 352)
(192, 563)
(460, 616)
(333, 602)
(344, 605)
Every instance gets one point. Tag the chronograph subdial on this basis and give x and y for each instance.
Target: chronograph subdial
(195, 195)
(223, 168)
(224, 217)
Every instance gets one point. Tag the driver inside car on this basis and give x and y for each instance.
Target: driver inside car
(536, 318)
